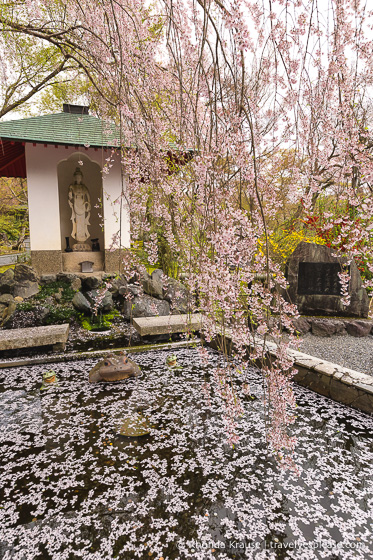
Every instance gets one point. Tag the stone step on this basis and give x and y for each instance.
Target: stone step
(52, 335)
(167, 324)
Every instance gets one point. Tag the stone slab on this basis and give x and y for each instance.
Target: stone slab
(52, 335)
(167, 324)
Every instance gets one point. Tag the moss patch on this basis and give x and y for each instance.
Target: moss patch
(104, 320)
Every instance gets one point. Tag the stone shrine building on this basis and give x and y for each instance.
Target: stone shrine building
(78, 219)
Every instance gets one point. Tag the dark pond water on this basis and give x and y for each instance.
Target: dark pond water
(73, 488)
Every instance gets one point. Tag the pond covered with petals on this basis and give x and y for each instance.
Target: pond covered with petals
(75, 488)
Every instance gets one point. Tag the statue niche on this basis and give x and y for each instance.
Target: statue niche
(80, 204)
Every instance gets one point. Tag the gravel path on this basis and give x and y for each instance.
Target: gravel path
(348, 351)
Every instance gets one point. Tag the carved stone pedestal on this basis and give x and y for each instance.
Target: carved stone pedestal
(71, 262)
(82, 247)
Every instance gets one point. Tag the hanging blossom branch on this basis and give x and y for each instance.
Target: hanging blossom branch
(208, 96)
(99, 297)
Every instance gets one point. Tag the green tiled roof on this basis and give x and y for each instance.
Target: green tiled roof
(62, 128)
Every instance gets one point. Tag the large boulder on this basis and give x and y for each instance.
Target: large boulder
(76, 284)
(67, 277)
(6, 299)
(302, 325)
(153, 285)
(130, 291)
(25, 281)
(48, 278)
(7, 282)
(25, 273)
(26, 289)
(327, 327)
(177, 295)
(312, 272)
(90, 283)
(81, 303)
(359, 328)
(118, 286)
(106, 302)
(323, 327)
(145, 306)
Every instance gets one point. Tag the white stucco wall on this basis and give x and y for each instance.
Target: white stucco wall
(42, 186)
(43, 195)
(116, 215)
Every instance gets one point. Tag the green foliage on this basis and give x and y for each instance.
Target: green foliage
(167, 260)
(47, 290)
(11, 226)
(58, 315)
(34, 65)
(283, 242)
(25, 306)
(85, 322)
(59, 92)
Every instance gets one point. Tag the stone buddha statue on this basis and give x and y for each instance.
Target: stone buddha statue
(80, 204)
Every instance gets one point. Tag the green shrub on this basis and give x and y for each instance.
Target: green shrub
(48, 290)
(11, 226)
(25, 306)
(59, 315)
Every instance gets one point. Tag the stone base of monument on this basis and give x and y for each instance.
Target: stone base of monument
(327, 326)
(71, 262)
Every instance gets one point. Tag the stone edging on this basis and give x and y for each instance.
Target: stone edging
(339, 383)
(75, 356)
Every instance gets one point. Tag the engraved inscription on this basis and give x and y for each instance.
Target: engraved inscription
(319, 278)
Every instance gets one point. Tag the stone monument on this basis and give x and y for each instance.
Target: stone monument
(80, 204)
(314, 286)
